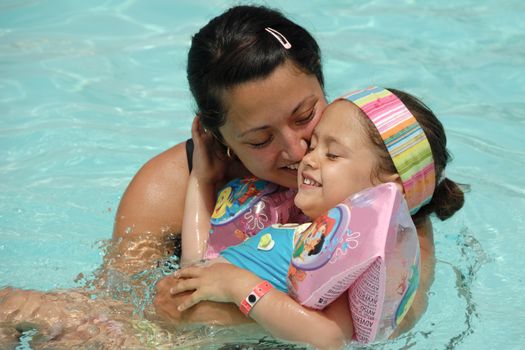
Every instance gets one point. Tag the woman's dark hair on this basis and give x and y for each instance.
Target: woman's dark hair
(448, 196)
(234, 48)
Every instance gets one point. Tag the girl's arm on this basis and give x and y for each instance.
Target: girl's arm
(207, 170)
(277, 312)
(196, 223)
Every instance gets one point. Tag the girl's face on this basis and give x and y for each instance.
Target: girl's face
(339, 162)
(270, 122)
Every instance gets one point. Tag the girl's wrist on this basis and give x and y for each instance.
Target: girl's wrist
(201, 180)
(244, 283)
(257, 292)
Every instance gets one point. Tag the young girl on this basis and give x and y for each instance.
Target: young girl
(366, 138)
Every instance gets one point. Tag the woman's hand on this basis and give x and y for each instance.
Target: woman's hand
(209, 165)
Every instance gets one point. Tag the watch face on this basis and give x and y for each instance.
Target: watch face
(252, 298)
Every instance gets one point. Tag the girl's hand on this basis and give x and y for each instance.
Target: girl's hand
(220, 282)
(277, 312)
(208, 165)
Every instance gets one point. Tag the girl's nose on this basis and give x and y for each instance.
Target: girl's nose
(310, 160)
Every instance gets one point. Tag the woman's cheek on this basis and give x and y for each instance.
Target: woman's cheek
(262, 159)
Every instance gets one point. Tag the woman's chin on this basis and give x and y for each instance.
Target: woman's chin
(286, 178)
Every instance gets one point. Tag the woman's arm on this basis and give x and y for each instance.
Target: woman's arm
(277, 312)
(150, 212)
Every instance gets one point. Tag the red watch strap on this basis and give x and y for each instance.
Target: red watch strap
(257, 293)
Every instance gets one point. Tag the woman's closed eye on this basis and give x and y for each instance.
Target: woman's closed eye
(306, 119)
(261, 144)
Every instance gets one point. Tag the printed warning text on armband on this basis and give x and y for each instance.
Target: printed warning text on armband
(367, 311)
(371, 287)
(364, 297)
(364, 300)
(363, 329)
(340, 286)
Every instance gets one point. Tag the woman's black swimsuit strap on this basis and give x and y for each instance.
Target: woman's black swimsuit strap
(189, 153)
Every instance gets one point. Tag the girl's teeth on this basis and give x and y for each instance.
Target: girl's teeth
(310, 182)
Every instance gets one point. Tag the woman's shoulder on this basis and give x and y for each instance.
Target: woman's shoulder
(174, 158)
(154, 199)
(164, 171)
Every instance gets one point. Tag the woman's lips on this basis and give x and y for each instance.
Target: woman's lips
(293, 166)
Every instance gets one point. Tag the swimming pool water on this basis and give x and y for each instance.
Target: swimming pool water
(91, 90)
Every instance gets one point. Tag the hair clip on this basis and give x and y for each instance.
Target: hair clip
(281, 38)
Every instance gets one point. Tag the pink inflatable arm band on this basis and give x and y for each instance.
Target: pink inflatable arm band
(366, 247)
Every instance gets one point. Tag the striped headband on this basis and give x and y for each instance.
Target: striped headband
(404, 139)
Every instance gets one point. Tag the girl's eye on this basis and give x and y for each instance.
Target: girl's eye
(332, 156)
(307, 119)
(262, 144)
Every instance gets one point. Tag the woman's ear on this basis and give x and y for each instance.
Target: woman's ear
(395, 178)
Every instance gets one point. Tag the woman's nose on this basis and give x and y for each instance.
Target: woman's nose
(294, 146)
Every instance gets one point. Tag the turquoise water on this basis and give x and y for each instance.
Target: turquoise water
(91, 90)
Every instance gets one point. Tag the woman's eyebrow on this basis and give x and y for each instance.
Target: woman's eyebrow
(262, 127)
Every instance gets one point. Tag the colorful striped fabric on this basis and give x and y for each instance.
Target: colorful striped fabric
(405, 140)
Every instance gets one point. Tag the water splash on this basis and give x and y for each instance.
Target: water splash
(471, 260)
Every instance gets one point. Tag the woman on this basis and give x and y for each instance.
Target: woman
(258, 85)
(264, 127)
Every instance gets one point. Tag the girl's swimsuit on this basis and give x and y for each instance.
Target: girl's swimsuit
(271, 265)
